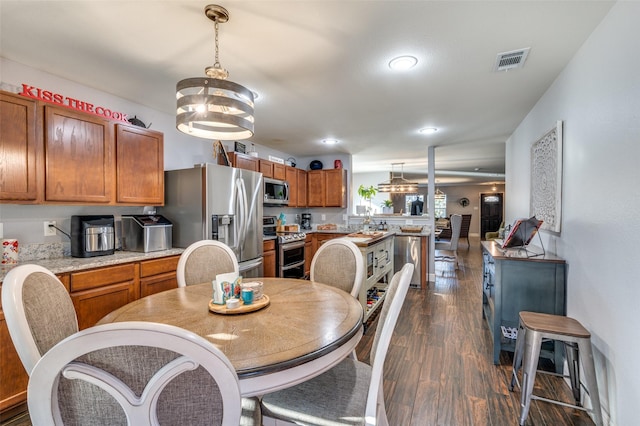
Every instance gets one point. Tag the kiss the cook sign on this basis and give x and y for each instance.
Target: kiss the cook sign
(58, 99)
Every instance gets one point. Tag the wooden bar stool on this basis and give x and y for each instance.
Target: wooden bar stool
(577, 341)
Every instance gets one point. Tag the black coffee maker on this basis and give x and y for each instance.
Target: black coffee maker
(305, 223)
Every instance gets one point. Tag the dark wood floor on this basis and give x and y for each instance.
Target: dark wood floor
(439, 369)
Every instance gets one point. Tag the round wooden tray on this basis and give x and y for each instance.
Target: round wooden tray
(242, 309)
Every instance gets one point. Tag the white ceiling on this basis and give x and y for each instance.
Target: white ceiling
(320, 66)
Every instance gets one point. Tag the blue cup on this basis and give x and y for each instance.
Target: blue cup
(247, 296)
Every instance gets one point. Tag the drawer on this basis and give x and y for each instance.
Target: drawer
(149, 268)
(269, 245)
(102, 276)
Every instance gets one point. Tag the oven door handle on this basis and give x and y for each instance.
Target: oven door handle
(292, 245)
(293, 265)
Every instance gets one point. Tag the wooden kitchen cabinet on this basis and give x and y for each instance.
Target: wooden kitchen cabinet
(266, 168)
(302, 188)
(79, 157)
(291, 176)
(158, 275)
(19, 148)
(279, 171)
(139, 166)
(244, 161)
(97, 292)
(13, 377)
(327, 188)
(320, 238)
(308, 254)
(269, 258)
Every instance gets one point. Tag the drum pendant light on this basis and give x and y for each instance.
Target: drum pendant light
(213, 107)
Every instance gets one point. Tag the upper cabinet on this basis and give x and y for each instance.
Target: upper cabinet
(243, 161)
(139, 166)
(79, 157)
(327, 188)
(18, 148)
(52, 154)
(291, 176)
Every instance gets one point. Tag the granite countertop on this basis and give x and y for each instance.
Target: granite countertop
(73, 264)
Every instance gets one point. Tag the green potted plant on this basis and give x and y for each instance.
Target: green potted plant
(366, 193)
(387, 206)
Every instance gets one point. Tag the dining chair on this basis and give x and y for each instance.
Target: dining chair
(339, 263)
(448, 250)
(203, 260)
(135, 373)
(465, 225)
(38, 311)
(351, 393)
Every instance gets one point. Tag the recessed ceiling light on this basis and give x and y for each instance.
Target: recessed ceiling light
(428, 130)
(402, 63)
(330, 141)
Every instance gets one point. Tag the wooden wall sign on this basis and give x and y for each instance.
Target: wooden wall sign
(58, 99)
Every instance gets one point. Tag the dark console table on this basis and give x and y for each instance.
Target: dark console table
(513, 282)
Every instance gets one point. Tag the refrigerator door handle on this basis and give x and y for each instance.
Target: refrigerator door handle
(242, 202)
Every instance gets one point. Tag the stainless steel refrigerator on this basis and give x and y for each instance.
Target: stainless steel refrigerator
(216, 202)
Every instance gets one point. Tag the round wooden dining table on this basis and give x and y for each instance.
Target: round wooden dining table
(306, 329)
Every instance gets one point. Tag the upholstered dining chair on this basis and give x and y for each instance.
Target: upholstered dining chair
(38, 310)
(465, 225)
(350, 393)
(203, 260)
(134, 373)
(448, 250)
(339, 263)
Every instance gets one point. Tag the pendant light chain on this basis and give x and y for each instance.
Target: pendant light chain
(216, 64)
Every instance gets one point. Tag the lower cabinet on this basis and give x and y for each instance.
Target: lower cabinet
(13, 377)
(378, 263)
(308, 254)
(94, 293)
(269, 258)
(97, 292)
(158, 275)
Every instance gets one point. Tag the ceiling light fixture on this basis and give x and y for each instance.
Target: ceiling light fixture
(402, 63)
(330, 141)
(398, 184)
(428, 130)
(213, 107)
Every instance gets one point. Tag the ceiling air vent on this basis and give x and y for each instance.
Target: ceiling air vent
(510, 60)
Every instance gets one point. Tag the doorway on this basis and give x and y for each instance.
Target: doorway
(490, 212)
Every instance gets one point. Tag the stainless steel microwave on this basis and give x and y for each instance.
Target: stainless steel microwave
(276, 192)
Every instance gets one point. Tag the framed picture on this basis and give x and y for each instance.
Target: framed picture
(546, 178)
(239, 147)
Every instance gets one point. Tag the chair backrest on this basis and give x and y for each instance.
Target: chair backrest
(465, 225)
(203, 260)
(339, 263)
(456, 225)
(134, 373)
(38, 310)
(393, 301)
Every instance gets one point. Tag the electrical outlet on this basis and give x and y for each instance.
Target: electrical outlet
(49, 228)
(408, 222)
(344, 217)
(1, 231)
(323, 217)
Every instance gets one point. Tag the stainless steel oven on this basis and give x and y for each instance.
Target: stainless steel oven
(290, 258)
(289, 249)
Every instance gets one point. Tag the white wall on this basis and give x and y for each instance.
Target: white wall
(598, 98)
